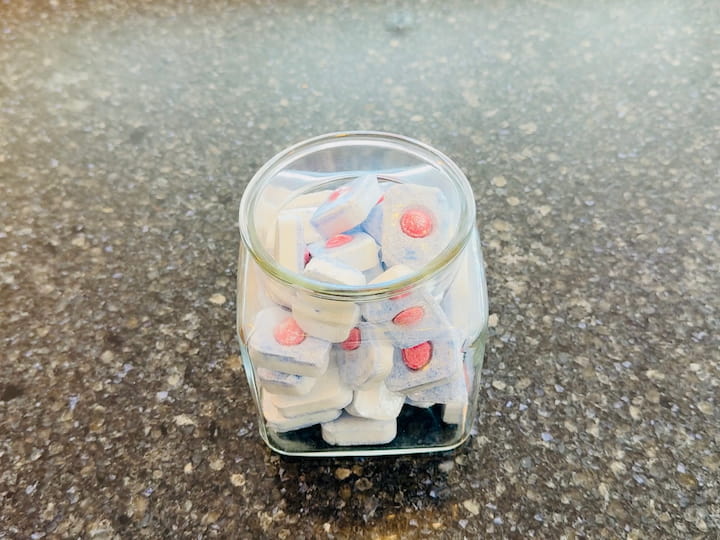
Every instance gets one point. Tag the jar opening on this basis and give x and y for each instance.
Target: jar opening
(337, 157)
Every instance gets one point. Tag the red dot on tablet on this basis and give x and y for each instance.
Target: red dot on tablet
(306, 257)
(338, 240)
(409, 316)
(289, 333)
(353, 340)
(335, 194)
(381, 199)
(417, 357)
(416, 223)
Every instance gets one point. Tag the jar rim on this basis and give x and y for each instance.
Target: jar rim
(279, 161)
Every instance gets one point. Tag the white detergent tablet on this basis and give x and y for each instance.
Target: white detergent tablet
(281, 424)
(290, 245)
(328, 270)
(347, 206)
(278, 382)
(377, 402)
(278, 343)
(329, 320)
(416, 225)
(426, 364)
(310, 235)
(328, 393)
(416, 323)
(348, 430)
(363, 360)
(357, 250)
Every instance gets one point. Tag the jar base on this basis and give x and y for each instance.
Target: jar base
(419, 427)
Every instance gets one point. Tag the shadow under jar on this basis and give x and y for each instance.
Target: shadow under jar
(363, 333)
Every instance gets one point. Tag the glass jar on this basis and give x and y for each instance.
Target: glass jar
(387, 364)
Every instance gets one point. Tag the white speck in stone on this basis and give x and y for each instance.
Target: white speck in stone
(218, 299)
(472, 506)
(546, 436)
(117, 275)
(54, 163)
(509, 404)
(148, 491)
(539, 517)
(72, 402)
(559, 388)
(499, 385)
(589, 202)
(161, 396)
(582, 325)
(681, 468)
(627, 364)
(491, 506)
(498, 520)
(237, 479)
(463, 523)
(37, 535)
(705, 407)
(522, 407)
(185, 420)
(30, 489)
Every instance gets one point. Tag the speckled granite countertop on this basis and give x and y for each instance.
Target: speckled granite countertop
(591, 136)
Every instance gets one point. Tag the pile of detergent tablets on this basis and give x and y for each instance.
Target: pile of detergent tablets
(349, 366)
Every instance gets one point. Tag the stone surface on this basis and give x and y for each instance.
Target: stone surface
(590, 135)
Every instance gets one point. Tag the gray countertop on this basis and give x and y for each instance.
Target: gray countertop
(591, 135)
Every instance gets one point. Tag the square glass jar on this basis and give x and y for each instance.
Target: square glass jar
(297, 402)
